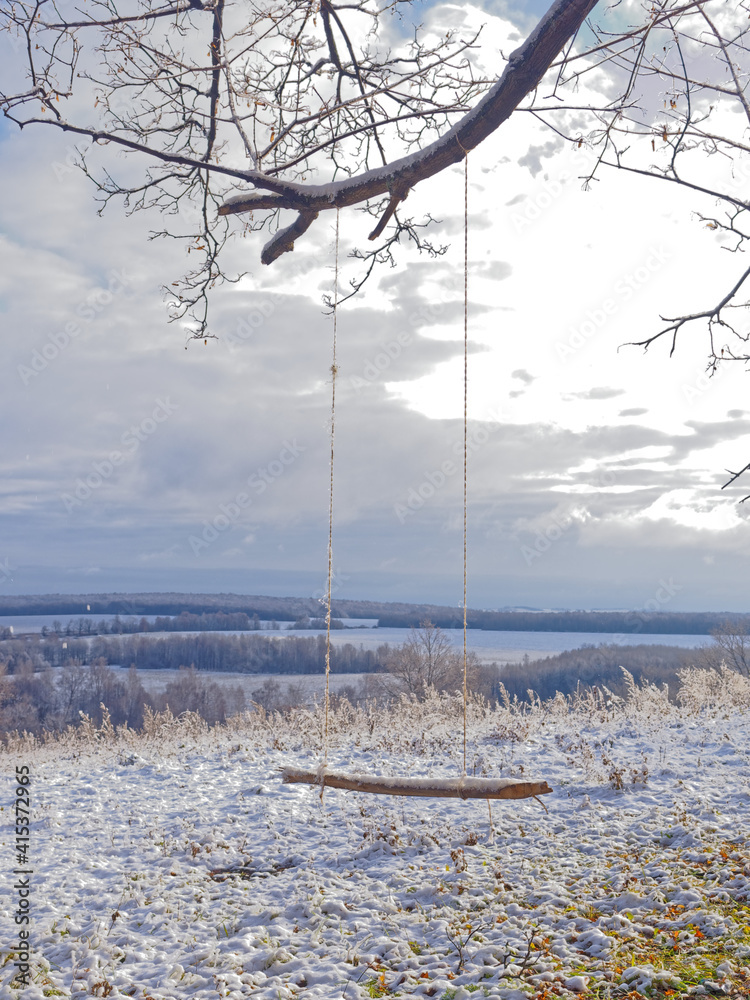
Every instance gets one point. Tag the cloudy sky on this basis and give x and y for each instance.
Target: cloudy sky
(132, 463)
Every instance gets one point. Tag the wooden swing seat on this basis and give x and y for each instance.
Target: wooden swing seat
(446, 788)
(462, 787)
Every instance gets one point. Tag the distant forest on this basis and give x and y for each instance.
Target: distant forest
(250, 654)
(198, 609)
(597, 666)
(217, 621)
(44, 685)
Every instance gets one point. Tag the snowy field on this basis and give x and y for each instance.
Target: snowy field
(487, 645)
(304, 686)
(174, 863)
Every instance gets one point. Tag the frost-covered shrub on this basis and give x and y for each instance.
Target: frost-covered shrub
(713, 689)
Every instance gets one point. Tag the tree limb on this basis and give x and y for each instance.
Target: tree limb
(461, 788)
(393, 204)
(522, 74)
(283, 241)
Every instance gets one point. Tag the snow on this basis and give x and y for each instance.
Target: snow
(175, 863)
(462, 787)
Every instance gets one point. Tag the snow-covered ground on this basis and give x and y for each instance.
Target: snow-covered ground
(174, 863)
(305, 686)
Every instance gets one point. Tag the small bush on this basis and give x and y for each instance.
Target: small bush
(595, 667)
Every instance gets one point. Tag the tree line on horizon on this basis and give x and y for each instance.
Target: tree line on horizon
(225, 612)
(49, 684)
(207, 651)
(49, 701)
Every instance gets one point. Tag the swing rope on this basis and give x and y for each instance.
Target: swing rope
(329, 584)
(466, 787)
(466, 419)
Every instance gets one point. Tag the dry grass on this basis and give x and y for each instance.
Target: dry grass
(421, 727)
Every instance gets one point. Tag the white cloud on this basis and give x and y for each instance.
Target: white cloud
(559, 279)
(691, 508)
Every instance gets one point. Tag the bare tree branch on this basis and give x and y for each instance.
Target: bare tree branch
(523, 72)
(248, 109)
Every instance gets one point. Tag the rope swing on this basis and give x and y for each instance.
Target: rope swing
(329, 578)
(464, 787)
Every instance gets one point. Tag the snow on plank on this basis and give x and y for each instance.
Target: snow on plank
(447, 788)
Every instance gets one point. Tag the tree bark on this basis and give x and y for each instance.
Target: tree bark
(522, 74)
(453, 788)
